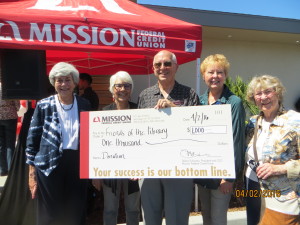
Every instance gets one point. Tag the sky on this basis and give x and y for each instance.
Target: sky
(274, 8)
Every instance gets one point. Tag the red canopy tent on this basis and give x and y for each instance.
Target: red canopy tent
(98, 36)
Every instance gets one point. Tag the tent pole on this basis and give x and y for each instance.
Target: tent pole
(198, 77)
(196, 198)
(149, 77)
(198, 81)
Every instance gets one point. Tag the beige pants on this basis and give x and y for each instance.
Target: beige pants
(271, 217)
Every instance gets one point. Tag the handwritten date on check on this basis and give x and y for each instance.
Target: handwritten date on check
(178, 142)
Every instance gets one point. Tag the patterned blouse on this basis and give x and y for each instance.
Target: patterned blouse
(9, 108)
(281, 146)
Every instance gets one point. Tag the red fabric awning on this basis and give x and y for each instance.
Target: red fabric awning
(98, 36)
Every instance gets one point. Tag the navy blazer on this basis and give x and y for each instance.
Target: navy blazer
(44, 140)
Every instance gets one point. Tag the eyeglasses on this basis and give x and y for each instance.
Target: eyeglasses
(125, 86)
(267, 93)
(166, 64)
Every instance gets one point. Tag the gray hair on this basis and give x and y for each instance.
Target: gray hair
(124, 76)
(174, 59)
(264, 82)
(63, 69)
(173, 56)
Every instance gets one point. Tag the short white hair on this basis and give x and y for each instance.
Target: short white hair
(63, 69)
(124, 77)
(173, 56)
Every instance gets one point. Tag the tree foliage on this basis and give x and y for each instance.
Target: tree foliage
(239, 88)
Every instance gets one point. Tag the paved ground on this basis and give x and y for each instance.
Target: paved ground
(234, 218)
(2, 182)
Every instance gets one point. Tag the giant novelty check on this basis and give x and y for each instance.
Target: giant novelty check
(178, 142)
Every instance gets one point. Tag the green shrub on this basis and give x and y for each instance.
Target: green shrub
(239, 88)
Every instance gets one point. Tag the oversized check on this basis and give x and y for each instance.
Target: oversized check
(177, 142)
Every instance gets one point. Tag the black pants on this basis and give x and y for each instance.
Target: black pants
(7, 144)
(253, 204)
(62, 195)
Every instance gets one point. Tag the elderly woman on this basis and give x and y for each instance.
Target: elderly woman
(53, 152)
(215, 194)
(121, 86)
(273, 155)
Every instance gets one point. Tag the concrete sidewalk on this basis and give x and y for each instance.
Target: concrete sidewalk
(234, 218)
(2, 182)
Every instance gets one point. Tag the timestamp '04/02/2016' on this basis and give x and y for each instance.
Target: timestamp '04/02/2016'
(257, 193)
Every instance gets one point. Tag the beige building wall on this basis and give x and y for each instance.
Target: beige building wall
(247, 59)
(250, 59)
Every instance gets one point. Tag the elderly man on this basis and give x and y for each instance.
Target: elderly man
(172, 197)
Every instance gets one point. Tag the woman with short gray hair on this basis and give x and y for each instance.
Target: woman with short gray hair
(121, 86)
(53, 152)
(272, 156)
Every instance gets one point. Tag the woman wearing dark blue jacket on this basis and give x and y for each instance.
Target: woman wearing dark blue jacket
(215, 194)
(53, 152)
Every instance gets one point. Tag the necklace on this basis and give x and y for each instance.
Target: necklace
(65, 109)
